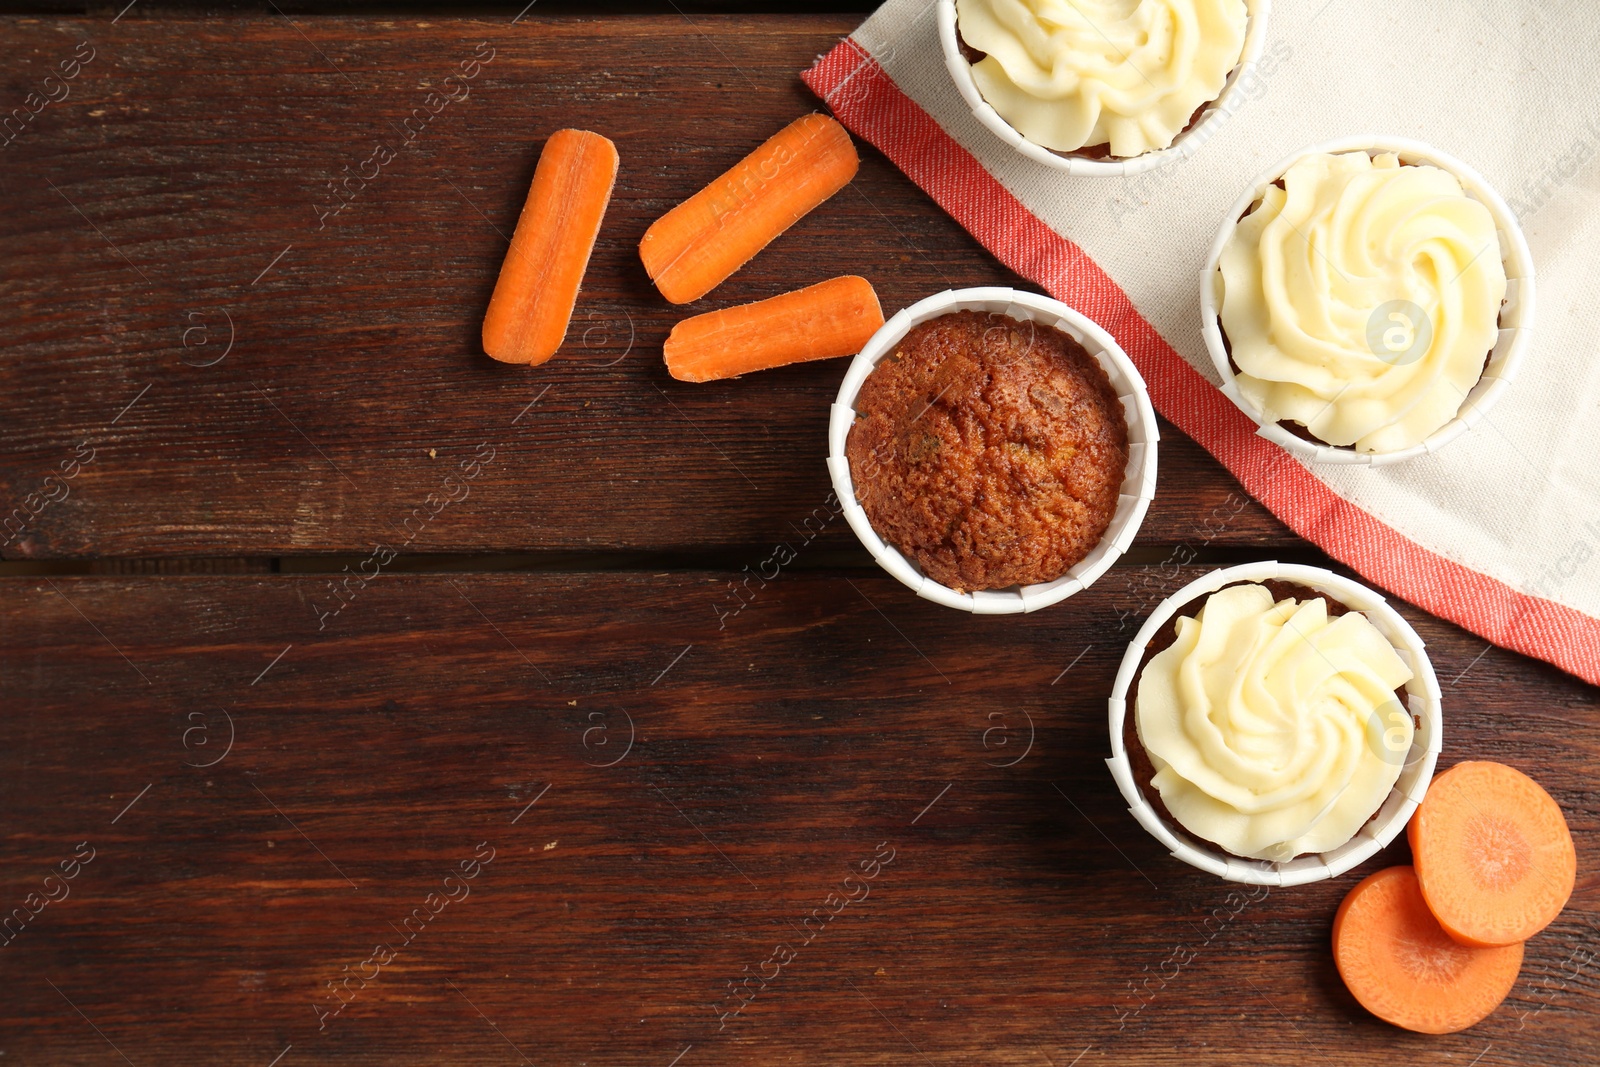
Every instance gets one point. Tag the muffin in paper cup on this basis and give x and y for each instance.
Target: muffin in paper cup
(1423, 701)
(1185, 144)
(1515, 318)
(1139, 475)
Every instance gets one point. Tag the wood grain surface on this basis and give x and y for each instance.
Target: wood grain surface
(146, 217)
(1025, 917)
(320, 807)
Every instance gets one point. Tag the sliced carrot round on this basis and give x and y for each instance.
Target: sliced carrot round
(1399, 963)
(1493, 854)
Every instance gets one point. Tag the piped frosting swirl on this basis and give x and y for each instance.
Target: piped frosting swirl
(1273, 727)
(1130, 74)
(1361, 299)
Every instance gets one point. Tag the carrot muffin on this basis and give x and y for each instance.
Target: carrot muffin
(1269, 721)
(1360, 299)
(989, 451)
(1101, 77)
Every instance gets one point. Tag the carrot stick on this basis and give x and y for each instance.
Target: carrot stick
(691, 249)
(1493, 854)
(538, 285)
(832, 318)
(1399, 963)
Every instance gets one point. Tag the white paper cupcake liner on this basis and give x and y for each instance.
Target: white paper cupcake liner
(1422, 697)
(1516, 314)
(1184, 145)
(1139, 479)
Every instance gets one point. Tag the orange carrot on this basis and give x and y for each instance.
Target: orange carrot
(538, 285)
(691, 249)
(1399, 963)
(1493, 854)
(832, 318)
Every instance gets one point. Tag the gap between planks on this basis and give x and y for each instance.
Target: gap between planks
(723, 559)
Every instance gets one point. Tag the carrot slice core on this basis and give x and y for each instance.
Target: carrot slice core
(538, 284)
(693, 248)
(832, 318)
(1400, 964)
(1493, 853)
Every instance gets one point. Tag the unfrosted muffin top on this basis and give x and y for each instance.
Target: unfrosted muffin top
(989, 450)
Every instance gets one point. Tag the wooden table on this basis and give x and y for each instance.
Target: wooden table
(298, 695)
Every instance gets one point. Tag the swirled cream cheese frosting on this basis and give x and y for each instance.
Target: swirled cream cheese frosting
(1361, 300)
(1273, 727)
(1072, 74)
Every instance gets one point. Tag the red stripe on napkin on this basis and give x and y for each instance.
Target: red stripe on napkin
(867, 100)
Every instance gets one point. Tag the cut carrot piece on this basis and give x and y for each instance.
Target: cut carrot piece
(1399, 963)
(538, 285)
(1493, 853)
(691, 249)
(832, 318)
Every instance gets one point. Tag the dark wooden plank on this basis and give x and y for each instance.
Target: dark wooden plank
(1025, 918)
(172, 202)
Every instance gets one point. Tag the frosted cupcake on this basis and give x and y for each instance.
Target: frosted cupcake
(1268, 723)
(1101, 78)
(1359, 300)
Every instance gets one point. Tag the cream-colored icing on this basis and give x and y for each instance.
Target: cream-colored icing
(1071, 74)
(1273, 727)
(1362, 299)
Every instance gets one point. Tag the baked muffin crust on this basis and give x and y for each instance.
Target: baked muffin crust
(990, 451)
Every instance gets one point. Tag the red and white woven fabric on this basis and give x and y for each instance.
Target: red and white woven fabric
(1498, 532)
